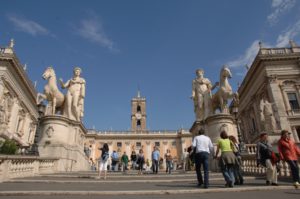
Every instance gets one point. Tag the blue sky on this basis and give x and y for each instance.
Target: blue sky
(154, 45)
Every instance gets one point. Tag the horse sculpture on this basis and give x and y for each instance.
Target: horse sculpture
(52, 94)
(220, 98)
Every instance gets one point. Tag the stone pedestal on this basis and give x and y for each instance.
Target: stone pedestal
(63, 138)
(213, 126)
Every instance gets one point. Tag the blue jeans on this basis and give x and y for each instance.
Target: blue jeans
(294, 169)
(169, 166)
(155, 166)
(202, 158)
(228, 173)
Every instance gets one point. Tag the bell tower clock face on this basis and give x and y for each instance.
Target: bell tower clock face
(138, 116)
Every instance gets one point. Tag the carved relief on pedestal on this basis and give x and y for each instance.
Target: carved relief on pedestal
(148, 142)
(127, 143)
(224, 127)
(50, 131)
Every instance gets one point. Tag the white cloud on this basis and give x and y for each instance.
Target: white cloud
(247, 57)
(27, 26)
(279, 7)
(291, 32)
(92, 30)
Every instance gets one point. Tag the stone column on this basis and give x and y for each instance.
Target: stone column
(149, 152)
(278, 97)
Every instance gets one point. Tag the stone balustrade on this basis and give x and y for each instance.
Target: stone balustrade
(25, 166)
(249, 163)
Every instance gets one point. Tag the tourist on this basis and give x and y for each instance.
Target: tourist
(169, 162)
(185, 160)
(141, 161)
(290, 153)
(124, 160)
(227, 159)
(155, 160)
(133, 159)
(237, 171)
(264, 158)
(103, 160)
(148, 166)
(203, 147)
(114, 161)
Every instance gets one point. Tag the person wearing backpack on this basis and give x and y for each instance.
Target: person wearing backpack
(103, 160)
(264, 157)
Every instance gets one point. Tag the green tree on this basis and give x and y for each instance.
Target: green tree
(9, 147)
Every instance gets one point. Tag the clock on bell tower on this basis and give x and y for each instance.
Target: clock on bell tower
(138, 113)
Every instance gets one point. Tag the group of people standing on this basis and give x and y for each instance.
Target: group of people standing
(287, 151)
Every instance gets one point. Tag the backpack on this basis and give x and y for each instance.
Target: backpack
(105, 156)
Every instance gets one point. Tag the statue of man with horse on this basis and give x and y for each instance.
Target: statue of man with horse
(206, 103)
(70, 105)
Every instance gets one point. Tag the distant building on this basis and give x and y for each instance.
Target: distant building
(18, 110)
(270, 94)
(139, 137)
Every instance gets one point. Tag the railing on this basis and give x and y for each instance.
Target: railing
(249, 163)
(133, 132)
(276, 51)
(24, 166)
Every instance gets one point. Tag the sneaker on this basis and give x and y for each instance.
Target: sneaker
(268, 182)
(296, 184)
(274, 184)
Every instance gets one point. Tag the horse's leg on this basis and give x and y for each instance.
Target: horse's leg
(53, 105)
(40, 97)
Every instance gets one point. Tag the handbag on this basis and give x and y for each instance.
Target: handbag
(233, 147)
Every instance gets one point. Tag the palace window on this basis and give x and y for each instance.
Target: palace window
(138, 108)
(293, 101)
(138, 144)
(174, 143)
(119, 144)
(138, 124)
(157, 144)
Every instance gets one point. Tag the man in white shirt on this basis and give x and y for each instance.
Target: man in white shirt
(203, 148)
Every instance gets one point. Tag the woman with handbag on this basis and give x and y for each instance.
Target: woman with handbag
(227, 159)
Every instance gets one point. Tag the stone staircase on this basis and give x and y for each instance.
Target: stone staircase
(118, 183)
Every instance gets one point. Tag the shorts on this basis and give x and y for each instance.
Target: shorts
(103, 166)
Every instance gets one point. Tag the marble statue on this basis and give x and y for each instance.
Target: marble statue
(220, 98)
(74, 102)
(201, 95)
(267, 115)
(51, 93)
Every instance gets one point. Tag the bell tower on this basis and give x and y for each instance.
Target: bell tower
(138, 113)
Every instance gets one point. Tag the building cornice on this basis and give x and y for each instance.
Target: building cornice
(20, 72)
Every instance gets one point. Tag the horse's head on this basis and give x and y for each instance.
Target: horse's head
(225, 72)
(49, 72)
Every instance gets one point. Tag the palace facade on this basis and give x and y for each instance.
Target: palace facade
(139, 137)
(270, 94)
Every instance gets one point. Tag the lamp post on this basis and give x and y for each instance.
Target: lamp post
(235, 111)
